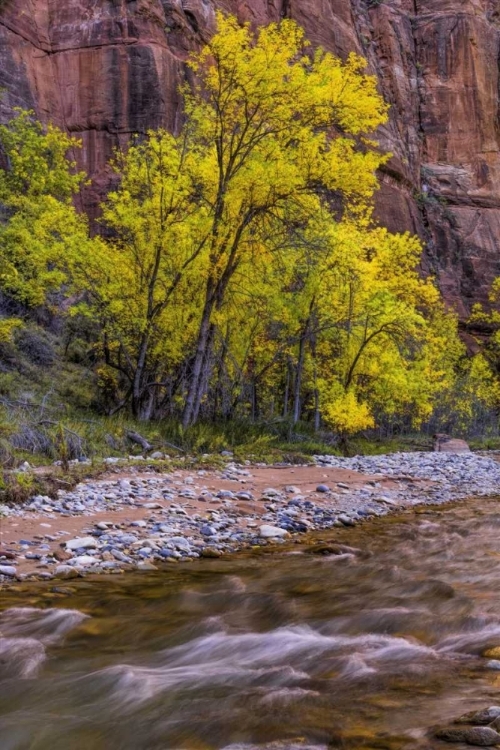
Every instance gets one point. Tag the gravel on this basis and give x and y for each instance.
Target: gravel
(175, 529)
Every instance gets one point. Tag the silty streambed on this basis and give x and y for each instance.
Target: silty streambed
(291, 650)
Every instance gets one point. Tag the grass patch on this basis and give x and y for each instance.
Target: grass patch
(485, 443)
(366, 446)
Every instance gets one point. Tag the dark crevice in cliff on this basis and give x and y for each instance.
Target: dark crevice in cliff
(498, 91)
(423, 210)
(35, 42)
(286, 11)
(192, 21)
(397, 177)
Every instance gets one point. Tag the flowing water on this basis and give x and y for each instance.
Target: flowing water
(290, 650)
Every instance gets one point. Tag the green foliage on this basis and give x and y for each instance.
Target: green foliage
(16, 487)
(41, 229)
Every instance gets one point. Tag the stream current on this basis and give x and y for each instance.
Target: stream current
(285, 650)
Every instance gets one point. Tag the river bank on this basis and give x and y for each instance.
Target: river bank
(136, 519)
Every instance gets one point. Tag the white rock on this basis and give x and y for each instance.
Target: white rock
(7, 570)
(84, 561)
(270, 532)
(84, 542)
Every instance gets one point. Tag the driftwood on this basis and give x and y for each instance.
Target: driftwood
(134, 437)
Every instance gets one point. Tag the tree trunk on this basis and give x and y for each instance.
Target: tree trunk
(134, 437)
(298, 377)
(317, 413)
(204, 375)
(300, 363)
(287, 391)
(138, 377)
(255, 401)
(201, 350)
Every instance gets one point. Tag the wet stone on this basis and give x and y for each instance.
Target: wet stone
(476, 736)
(486, 716)
(347, 520)
(210, 552)
(66, 572)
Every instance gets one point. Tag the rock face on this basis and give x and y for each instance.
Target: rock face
(105, 70)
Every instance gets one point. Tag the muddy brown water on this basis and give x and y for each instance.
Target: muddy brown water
(285, 650)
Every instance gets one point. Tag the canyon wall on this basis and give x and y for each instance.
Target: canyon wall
(105, 69)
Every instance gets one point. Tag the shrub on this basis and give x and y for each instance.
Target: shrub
(16, 487)
(36, 346)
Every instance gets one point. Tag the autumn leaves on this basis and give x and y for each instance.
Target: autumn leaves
(241, 273)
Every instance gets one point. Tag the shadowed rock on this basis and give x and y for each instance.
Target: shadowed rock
(477, 736)
(446, 444)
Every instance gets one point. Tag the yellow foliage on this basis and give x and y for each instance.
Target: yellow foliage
(241, 259)
(211, 223)
(347, 415)
(7, 328)
(43, 231)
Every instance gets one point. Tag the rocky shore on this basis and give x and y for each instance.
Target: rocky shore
(136, 519)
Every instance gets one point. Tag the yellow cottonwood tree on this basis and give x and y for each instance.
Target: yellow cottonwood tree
(144, 284)
(272, 132)
(372, 337)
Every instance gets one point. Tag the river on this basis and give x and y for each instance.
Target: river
(360, 650)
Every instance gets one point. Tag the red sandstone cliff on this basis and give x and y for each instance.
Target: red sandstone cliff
(104, 69)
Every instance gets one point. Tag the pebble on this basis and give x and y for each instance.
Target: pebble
(176, 530)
